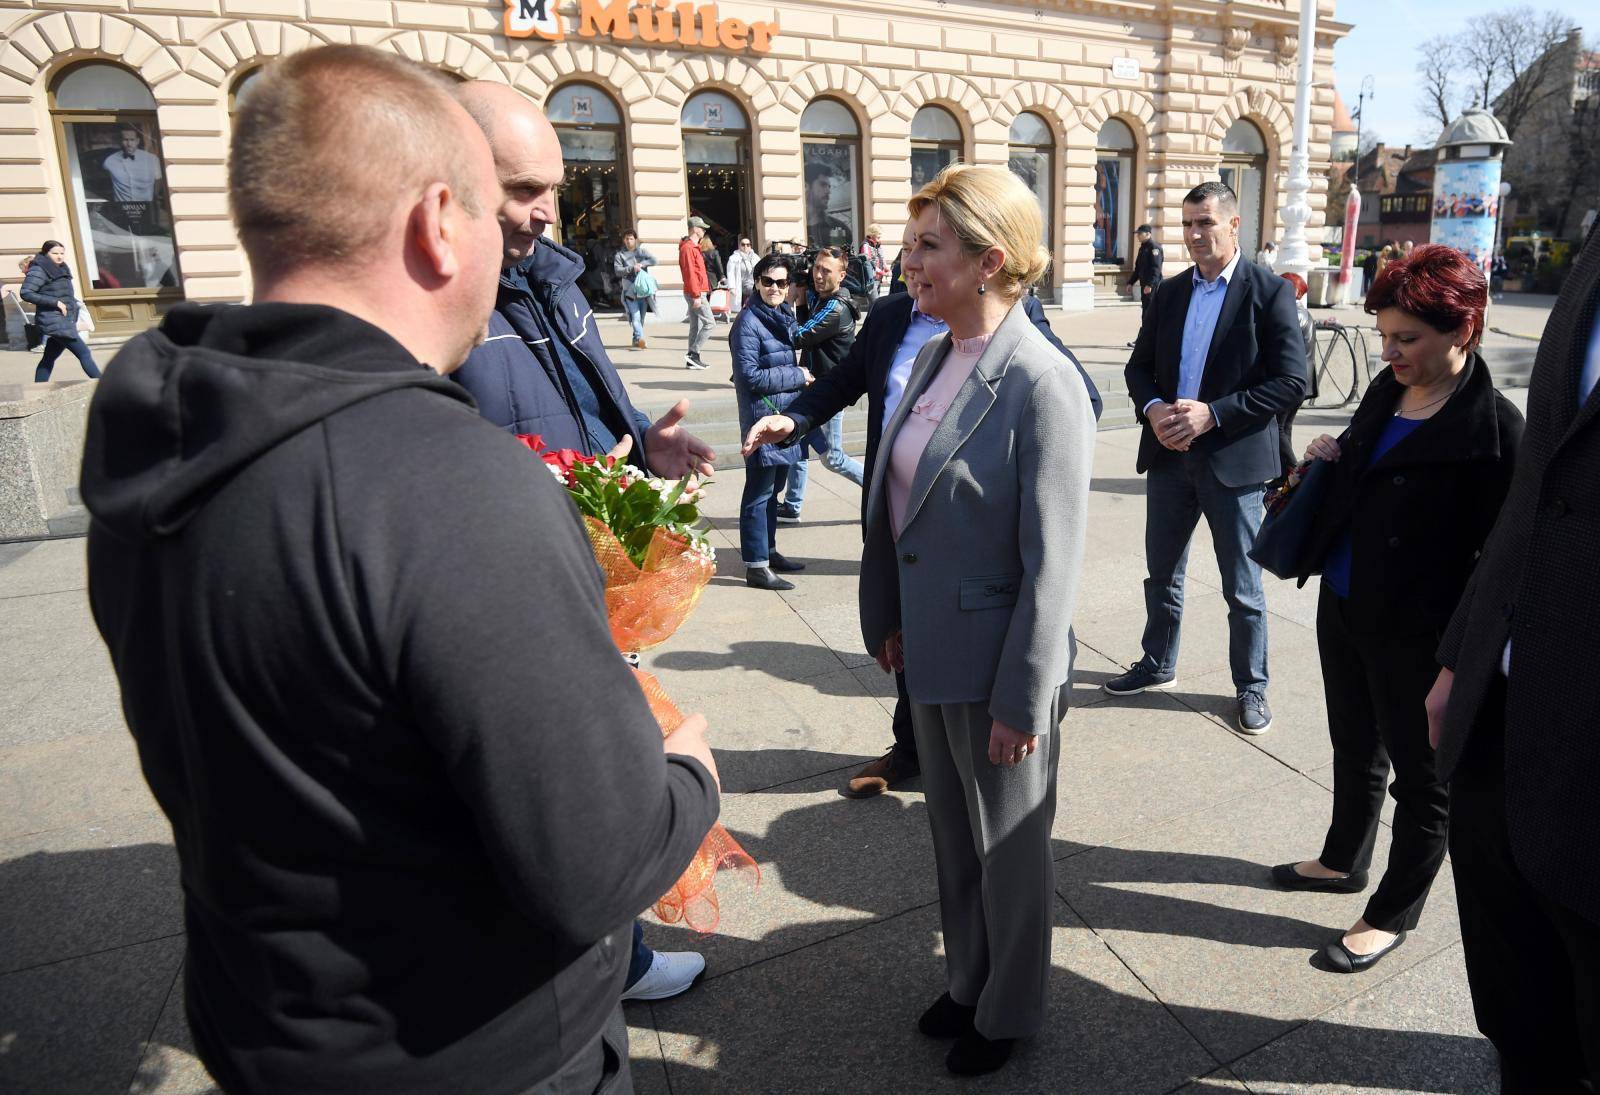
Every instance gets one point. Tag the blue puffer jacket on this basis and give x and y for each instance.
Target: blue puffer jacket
(516, 377)
(764, 371)
(47, 283)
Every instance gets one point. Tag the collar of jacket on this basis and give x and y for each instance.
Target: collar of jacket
(779, 320)
(1465, 428)
(548, 270)
(51, 268)
(815, 300)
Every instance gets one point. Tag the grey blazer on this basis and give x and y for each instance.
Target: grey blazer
(984, 577)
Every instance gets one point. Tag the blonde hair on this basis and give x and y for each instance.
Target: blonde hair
(990, 207)
(327, 141)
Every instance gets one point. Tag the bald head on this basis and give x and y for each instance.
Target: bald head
(527, 158)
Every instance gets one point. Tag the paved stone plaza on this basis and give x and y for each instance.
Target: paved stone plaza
(1176, 965)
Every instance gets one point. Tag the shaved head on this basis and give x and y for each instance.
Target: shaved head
(527, 159)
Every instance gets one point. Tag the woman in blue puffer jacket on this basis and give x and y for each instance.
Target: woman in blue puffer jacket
(48, 287)
(767, 379)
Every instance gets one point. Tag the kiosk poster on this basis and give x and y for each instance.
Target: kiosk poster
(1466, 203)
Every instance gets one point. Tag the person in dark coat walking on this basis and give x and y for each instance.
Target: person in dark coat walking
(1512, 716)
(1416, 483)
(48, 287)
(1147, 266)
(766, 378)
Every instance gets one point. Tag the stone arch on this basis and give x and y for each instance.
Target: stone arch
(577, 60)
(967, 103)
(734, 76)
(843, 82)
(50, 41)
(1046, 100)
(234, 48)
(1125, 103)
(1254, 104)
(450, 52)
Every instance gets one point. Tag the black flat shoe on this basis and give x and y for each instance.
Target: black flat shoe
(763, 578)
(946, 1019)
(1288, 878)
(782, 565)
(1341, 959)
(974, 1055)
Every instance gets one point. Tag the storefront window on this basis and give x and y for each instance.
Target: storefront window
(716, 152)
(1113, 182)
(593, 203)
(116, 182)
(935, 144)
(1032, 159)
(1244, 168)
(830, 146)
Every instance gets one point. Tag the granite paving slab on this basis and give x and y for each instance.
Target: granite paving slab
(703, 661)
(1299, 733)
(43, 566)
(79, 696)
(169, 1065)
(71, 782)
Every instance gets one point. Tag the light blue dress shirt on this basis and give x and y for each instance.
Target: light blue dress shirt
(1205, 308)
(921, 328)
(1591, 366)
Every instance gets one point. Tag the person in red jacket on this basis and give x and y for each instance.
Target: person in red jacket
(697, 291)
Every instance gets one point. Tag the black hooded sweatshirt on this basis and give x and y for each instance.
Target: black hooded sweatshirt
(416, 795)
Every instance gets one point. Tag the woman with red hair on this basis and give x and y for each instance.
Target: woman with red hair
(1414, 487)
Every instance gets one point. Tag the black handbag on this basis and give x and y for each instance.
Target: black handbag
(1281, 541)
(33, 333)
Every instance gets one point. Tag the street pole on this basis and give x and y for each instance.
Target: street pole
(1296, 257)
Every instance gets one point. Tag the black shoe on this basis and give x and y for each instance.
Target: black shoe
(1131, 345)
(946, 1019)
(763, 578)
(1341, 959)
(690, 361)
(1141, 677)
(782, 565)
(1288, 878)
(788, 514)
(1255, 717)
(974, 1055)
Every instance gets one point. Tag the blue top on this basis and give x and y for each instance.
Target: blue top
(921, 328)
(1336, 571)
(1199, 324)
(1590, 377)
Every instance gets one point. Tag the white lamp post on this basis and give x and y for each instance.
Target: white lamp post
(1295, 257)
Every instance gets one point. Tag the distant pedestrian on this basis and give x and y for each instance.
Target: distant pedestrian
(1146, 268)
(629, 263)
(716, 271)
(1268, 255)
(696, 292)
(48, 287)
(872, 251)
(741, 274)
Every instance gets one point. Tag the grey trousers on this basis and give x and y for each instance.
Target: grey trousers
(991, 845)
(700, 323)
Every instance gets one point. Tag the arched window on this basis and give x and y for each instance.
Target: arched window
(1244, 168)
(1033, 160)
(716, 153)
(1114, 156)
(116, 184)
(830, 146)
(593, 204)
(935, 144)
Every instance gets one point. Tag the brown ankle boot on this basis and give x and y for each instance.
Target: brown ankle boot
(879, 776)
(638, 344)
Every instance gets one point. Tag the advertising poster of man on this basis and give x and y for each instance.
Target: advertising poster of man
(1466, 201)
(1107, 184)
(120, 199)
(830, 195)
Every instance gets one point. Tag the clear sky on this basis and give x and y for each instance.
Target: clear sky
(1383, 45)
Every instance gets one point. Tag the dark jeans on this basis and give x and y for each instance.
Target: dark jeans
(1375, 687)
(758, 510)
(52, 350)
(599, 1068)
(905, 739)
(1533, 965)
(639, 961)
(1179, 488)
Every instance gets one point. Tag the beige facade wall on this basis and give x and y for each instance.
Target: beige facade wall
(1201, 66)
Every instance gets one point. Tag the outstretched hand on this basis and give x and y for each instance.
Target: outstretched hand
(767, 431)
(671, 451)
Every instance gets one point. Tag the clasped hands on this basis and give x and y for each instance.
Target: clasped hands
(1007, 747)
(1178, 423)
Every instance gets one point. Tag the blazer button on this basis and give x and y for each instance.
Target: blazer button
(1399, 480)
(1394, 541)
(909, 557)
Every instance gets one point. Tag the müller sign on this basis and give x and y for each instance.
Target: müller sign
(655, 21)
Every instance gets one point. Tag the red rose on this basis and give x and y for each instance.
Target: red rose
(534, 441)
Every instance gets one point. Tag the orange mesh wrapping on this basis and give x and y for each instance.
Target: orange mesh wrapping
(644, 606)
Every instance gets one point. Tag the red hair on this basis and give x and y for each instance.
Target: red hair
(1437, 284)
(1298, 282)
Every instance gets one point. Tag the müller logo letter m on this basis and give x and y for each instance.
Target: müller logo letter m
(657, 22)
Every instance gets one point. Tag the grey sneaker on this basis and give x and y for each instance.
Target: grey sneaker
(1142, 677)
(1255, 717)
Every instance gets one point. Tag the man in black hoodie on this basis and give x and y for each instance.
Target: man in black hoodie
(416, 795)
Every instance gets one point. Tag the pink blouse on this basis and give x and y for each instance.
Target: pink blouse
(924, 418)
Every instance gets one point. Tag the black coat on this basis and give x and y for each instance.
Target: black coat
(47, 284)
(1147, 265)
(1255, 370)
(1420, 514)
(1538, 585)
(826, 332)
(865, 371)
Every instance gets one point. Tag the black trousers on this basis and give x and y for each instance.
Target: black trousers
(1534, 965)
(1375, 687)
(905, 741)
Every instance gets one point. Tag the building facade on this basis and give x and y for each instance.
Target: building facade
(799, 119)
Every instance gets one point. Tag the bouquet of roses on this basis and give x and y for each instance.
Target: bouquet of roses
(656, 559)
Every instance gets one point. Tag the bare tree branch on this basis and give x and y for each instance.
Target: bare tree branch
(1439, 58)
(1520, 50)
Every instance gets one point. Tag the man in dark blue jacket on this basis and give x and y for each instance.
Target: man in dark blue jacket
(878, 366)
(542, 368)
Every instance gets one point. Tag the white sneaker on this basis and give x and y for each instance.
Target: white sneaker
(670, 973)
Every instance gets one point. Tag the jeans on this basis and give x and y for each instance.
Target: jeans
(834, 459)
(639, 961)
(700, 324)
(758, 511)
(52, 350)
(636, 310)
(1180, 488)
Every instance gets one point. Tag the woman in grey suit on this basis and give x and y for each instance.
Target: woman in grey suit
(974, 539)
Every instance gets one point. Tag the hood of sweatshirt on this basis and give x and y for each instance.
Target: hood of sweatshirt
(184, 408)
